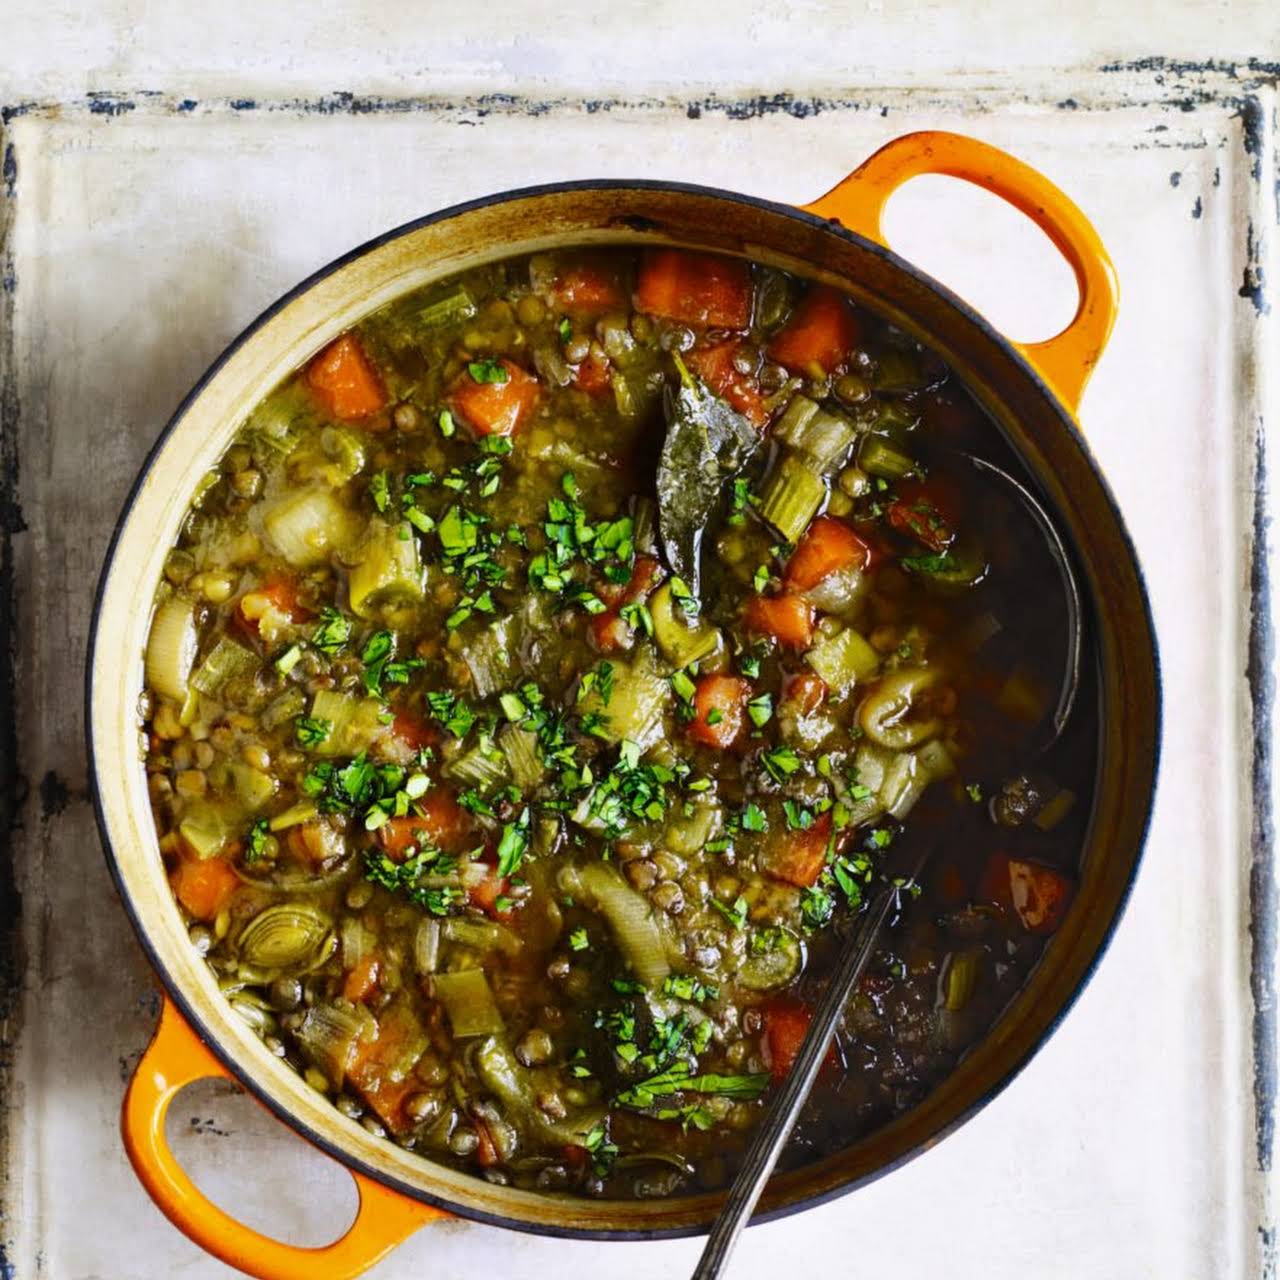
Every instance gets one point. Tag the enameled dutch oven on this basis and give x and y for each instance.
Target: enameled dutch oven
(1031, 391)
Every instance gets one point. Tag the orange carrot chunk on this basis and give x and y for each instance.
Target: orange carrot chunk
(797, 857)
(588, 285)
(443, 823)
(805, 691)
(362, 981)
(695, 288)
(413, 731)
(592, 376)
(1040, 895)
(278, 595)
(1037, 895)
(788, 618)
(204, 886)
(822, 331)
(345, 381)
(494, 396)
(828, 546)
(786, 1022)
(720, 710)
(714, 365)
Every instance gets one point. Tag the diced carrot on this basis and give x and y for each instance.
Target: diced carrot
(376, 1060)
(362, 981)
(646, 573)
(576, 1156)
(413, 731)
(485, 894)
(806, 691)
(788, 618)
(720, 710)
(828, 546)
(591, 283)
(797, 857)
(1037, 895)
(204, 886)
(345, 381)
(786, 1022)
(495, 408)
(695, 288)
(314, 844)
(822, 331)
(592, 376)
(926, 510)
(714, 365)
(610, 632)
(278, 595)
(921, 521)
(1040, 895)
(443, 822)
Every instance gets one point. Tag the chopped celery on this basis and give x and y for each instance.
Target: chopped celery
(688, 834)
(469, 1002)
(204, 830)
(1056, 809)
(681, 643)
(791, 496)
(482, 935)
(171, 648)
(961, 979)
(295, 815)
(307, 525)
(253, 787)
(800, 409)
(288, 706)
(637, 703)
(225, 660)
(1022, 697)
(520, 746)
(843, 660)
(904, 784)
(877, 457)
(488, 657)
(445, 308)
(824, 438)
(644, 519)
(774, 966)
(389, 570)
(353, 722)
(483, 766)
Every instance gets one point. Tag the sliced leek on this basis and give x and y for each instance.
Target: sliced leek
(307, 526)
(389, 570)
(468, 1001)
(171, 648)
(226, 660)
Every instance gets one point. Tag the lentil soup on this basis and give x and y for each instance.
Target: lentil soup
(547, 674)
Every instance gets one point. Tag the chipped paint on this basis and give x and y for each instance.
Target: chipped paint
(1254, 285)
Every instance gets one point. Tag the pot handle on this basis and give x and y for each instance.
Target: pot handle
(175, 1058)
(1066, 360)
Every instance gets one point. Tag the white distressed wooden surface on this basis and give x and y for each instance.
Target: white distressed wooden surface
(143, 241)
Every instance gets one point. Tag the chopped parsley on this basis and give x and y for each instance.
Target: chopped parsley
(333, 632)
(578, 940)
(380, 491)
(760, 709)
(514, 844)
(780, 762)
(736, 914)
(256, 846)
(309, 732)
(488, 370)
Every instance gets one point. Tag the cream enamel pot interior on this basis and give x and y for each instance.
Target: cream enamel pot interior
(1031, 392)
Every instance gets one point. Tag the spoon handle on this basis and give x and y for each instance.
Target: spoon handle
(766, 1146)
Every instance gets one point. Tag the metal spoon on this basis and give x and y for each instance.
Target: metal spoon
(770, 1138)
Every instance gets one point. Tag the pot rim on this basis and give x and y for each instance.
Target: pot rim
(187, 1008)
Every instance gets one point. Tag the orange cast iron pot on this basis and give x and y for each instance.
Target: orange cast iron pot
(1031, 392)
